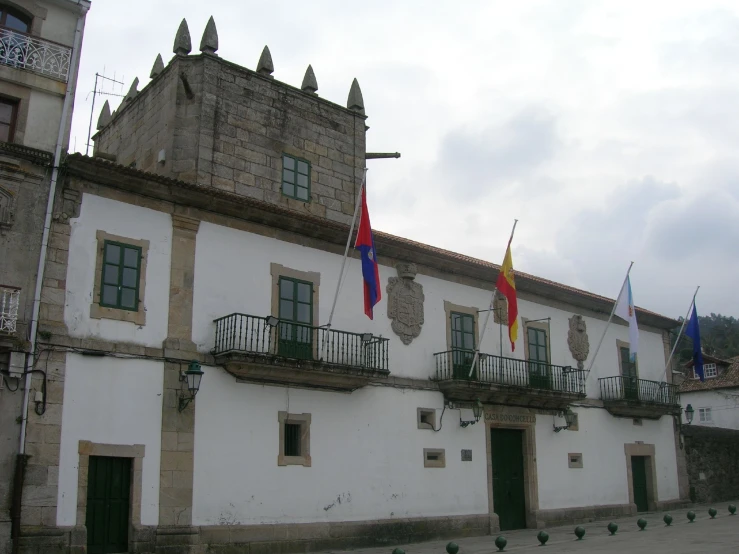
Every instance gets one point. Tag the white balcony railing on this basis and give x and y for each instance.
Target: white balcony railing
(34, 54)
(10, 298)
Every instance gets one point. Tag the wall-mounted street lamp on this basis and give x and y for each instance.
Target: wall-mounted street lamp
(192, 376)
(272, 321)
(569, 416)
(689, 413)
(476, 411)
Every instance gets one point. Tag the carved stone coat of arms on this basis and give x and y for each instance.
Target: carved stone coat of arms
(405, 302)
(577, 340)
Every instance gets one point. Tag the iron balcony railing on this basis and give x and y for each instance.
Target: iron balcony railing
(455, 364)
(10, 298)
(34, 54)
(638, 390)
(255, 335)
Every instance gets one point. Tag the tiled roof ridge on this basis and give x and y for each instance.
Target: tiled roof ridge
(327, 223)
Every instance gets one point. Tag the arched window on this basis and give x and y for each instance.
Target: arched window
(10, 18)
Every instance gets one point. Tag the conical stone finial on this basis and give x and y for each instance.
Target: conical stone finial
(355, 102)
(105, 116)
(209, 42)
(182, 42)
(265, 66)
(309, 81)
(158, 66)
(133, 91)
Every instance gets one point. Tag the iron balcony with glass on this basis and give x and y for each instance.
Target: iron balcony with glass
(627, 396)
(502, 380)
(270, 350)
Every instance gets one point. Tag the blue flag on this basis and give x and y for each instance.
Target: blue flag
(693, 331)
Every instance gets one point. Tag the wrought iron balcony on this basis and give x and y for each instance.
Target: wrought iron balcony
(507, 380)
(10, 298)
(34, 54)
(632, 397)
(271, 350)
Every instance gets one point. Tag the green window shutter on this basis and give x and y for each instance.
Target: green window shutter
(120, 276)
(463, 331)
(537, 345)
(296, 178)
(295, 307)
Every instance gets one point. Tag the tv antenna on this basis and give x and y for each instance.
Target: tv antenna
(103, 79)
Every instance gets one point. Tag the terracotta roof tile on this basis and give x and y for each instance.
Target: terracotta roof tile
(728, 379)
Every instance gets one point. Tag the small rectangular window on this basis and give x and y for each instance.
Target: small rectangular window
(296, 178)
(292, 439)
(121, 272)
(8, 115)
(574, 460)
(704, 415)
(434, 457)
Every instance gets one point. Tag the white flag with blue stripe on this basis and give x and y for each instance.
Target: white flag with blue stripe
(626, 311)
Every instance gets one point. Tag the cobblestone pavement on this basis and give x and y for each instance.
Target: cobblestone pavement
(704, 535)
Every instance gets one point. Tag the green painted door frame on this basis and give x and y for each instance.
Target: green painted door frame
(108, 504)
(509, 496)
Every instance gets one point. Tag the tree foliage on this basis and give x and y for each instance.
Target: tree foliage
(719, 337)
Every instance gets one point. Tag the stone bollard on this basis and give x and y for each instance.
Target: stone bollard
(501, 543)
(612, 528)
(667, 519)
(642, 523)
(732, 509)
(691, 515)
(452, 548)
(579, 532)
(543, 537)
(712, 512)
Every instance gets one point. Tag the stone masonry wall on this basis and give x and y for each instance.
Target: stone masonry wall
(713, 463)
(226, 126)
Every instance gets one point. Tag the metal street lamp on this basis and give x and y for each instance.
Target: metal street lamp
(476, 412)
(570, 418)
(689, 413)
(192, 376)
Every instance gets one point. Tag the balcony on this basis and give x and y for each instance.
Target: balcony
(640, 398)
(10, 298)
(33, 54)
(509, 381)
(268, 350)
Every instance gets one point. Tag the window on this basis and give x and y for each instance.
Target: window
(8, 114)
(296, 318)
(15, 20)
(704, 415)
(295, 178)
(463, 344)
(294, 439)
(120, 284)
(574, 460)
(434, 457)
(709, 371)
(537, 354)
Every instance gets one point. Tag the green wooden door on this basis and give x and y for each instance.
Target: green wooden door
(108, 489)
(630, 377)
(538, 356)
(463, 345)
(639, 480)
(296, 319)
(509, 501)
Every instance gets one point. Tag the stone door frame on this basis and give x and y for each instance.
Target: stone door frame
(648, 451)
(523, 419)
(133, 451)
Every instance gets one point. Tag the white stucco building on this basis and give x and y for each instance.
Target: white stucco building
(715, 401)
(207, 233)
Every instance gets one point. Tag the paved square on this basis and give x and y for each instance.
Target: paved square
(704, 535)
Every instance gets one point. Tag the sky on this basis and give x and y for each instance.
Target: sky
(609, 129)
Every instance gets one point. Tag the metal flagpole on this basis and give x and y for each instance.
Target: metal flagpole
(679, 334)
(487, 315)
(610, 317)
(346, 253)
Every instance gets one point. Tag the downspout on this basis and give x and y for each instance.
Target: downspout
(66, 108)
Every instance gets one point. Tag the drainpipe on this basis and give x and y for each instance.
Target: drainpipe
(84, 6)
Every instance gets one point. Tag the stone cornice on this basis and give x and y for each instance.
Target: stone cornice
(446, 265)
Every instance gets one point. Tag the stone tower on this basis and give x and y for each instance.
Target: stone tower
(211, 122)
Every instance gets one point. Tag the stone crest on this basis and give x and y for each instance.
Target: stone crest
(577, 340)
(405, 302)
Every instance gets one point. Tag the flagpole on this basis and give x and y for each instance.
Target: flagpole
(346, 252)
(679, 334)
(610, 317)
(487, 315)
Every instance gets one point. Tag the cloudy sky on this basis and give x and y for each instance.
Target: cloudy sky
(609, 129)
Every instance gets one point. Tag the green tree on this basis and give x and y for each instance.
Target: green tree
(719, 337)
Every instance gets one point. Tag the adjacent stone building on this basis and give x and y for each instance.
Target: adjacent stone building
(39, 57)
(206, 403)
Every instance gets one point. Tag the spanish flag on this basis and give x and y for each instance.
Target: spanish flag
(507, 286)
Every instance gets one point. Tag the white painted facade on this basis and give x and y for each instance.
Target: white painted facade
(110, 401)
(722, 403)
(366, 449)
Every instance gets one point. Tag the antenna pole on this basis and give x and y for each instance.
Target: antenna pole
(92, 112)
